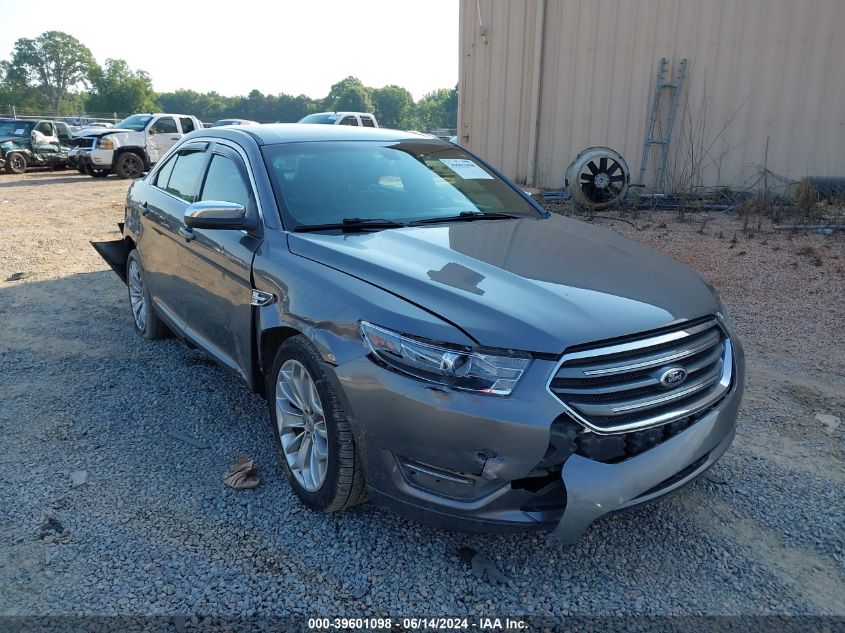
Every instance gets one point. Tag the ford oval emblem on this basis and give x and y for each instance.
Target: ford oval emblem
(673, 376)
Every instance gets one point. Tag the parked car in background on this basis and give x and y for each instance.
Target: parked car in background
(225, 122)
(18, 151)
(359, 119)
(132, 146)
(425, 333)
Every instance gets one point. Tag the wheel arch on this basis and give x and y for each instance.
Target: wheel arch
(132, 149)
(268, 342)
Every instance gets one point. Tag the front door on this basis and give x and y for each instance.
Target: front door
(217, 267)
(161, 136)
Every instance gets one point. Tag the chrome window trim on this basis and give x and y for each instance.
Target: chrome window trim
(658, 420)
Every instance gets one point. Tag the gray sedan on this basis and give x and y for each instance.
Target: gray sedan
(427, 336)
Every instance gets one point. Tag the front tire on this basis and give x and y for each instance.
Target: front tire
(15, 163)
(313, 437)
(146, 321)
(129, 166)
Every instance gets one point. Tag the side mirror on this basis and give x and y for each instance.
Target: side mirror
(216, 214)
(152, 130)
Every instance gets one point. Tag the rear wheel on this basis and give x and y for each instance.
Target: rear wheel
(146, 321)
(129, 166)
(15, 163)
(313, 437)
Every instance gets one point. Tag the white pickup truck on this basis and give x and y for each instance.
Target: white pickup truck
(132, 146)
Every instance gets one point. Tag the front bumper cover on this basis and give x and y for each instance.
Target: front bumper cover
(402, 422)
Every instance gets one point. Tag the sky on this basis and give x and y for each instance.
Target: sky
(291, 46)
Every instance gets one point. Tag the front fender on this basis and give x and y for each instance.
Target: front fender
(326, 304)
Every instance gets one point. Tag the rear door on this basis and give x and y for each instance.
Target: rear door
(217, 266)
(170, 190)
(162, 135)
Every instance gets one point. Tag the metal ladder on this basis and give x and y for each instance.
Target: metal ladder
(661, 86)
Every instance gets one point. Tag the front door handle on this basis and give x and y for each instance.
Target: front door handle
(174, 138)
(187, 233)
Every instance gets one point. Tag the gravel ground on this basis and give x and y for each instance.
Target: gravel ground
(154, 531)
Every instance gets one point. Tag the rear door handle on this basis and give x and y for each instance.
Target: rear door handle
(174, 138)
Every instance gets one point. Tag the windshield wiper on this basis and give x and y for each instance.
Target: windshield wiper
(351, 224)
(468, 216)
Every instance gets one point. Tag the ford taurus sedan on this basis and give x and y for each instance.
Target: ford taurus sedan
(426, 336)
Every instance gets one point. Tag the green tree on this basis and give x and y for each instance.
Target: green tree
(208, 107)
(54, 61)
(349, 95)
(438, 109)
(13, 93)
(117, 88)
(394, 107)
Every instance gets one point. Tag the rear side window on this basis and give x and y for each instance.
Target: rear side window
(367, 121)
(349, 120)
(184, 181)
(225, 183)
(187, 125)
(163, 174)
(166, 125)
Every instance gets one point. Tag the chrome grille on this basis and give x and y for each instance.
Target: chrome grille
(617, 388)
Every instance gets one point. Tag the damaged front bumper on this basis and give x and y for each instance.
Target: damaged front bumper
(475, 463)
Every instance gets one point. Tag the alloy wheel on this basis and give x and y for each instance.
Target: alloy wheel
(136, 295)
(302, 425)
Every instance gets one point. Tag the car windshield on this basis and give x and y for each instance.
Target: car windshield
(223, 122)
(324, 117)
(400, 181)
(16, 128)
(136, 122)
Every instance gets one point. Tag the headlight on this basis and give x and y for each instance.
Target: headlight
(105, 143)
(465, 369)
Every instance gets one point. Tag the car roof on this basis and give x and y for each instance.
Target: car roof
(343, 112)
(274, 133)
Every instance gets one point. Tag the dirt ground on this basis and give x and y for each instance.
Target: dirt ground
(784, 290)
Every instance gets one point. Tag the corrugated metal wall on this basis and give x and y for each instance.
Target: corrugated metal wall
(758, 70)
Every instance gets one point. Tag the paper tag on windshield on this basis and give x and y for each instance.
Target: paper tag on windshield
(19, 131)
(466, 169)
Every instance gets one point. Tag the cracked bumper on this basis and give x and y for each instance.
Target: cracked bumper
(424, 456)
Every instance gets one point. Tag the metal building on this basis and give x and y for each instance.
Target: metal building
(541, 80)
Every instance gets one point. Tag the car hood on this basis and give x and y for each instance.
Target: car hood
(104, 132)
(537, 285)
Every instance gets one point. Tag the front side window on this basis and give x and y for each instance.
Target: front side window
(136, 122)
(166, 125)
(225, 183)
(349, 120)
(63, 131)
(187, 125)
(404, 181)
(184, 179)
